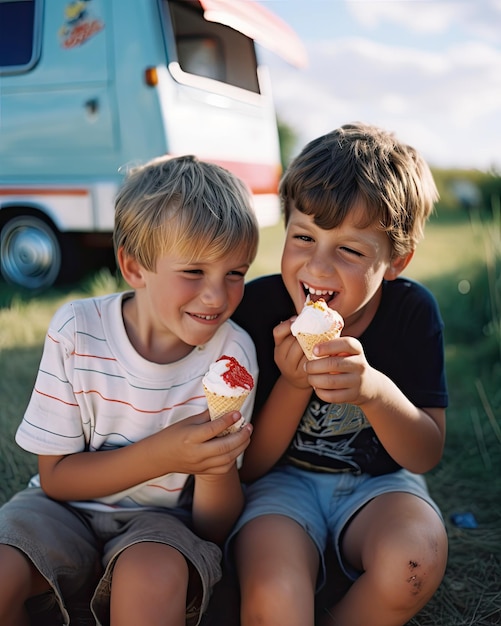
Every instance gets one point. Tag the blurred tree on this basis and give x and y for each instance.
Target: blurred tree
(468, 189)
(288, 140)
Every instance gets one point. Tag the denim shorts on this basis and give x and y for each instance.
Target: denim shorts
(323, 503)
(76, 548)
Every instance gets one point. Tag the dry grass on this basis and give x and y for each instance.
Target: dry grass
(470, 593)
(467, 480)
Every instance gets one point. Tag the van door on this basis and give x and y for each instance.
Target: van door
(57, 112)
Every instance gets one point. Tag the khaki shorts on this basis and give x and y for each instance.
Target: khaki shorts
(76, 548)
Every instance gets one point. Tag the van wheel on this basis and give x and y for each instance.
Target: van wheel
(30, 253)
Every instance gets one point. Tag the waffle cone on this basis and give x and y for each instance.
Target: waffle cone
(219, 405)
(308, 341)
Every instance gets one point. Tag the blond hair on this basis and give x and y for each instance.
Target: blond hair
(197, 208)
(362, 163)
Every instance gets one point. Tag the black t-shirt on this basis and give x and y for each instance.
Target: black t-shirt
(404, 341)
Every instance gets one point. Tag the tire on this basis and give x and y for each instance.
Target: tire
(30, 253)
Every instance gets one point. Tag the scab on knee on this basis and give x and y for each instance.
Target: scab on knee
(415, 579)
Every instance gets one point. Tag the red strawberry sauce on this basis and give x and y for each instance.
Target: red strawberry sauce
(236, 375)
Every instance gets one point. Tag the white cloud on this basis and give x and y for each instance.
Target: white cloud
(447, 103)
(394, 103)
(481, 18)
(484, 19)
(419, 16)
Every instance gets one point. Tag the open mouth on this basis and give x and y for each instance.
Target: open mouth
(317, 294)
(206, 318)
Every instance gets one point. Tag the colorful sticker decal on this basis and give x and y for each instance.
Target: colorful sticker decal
(79, 24)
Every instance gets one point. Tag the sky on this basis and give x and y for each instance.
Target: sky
(428, 70)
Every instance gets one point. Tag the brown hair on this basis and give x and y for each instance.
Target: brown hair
(362, 163)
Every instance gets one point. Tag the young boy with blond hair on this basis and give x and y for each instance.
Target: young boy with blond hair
(119, 420)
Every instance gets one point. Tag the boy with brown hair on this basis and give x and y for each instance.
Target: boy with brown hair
(340, 443)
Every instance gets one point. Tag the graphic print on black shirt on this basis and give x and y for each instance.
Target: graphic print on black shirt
(404, 341)
(337, 438)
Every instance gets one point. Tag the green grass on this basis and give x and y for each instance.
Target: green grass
(460, 261)
(270, 250)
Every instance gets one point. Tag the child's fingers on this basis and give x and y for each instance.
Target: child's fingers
(199, 418)
(225, 422)
(225, 450)
(286, 343)
(207, 429)
(282, 330)
(340, 346)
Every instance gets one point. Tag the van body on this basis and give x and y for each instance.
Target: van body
(89, 88)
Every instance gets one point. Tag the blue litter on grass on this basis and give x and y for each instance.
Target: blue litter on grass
(464, 520)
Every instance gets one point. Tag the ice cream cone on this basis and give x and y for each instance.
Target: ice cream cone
(308, 341)
(219, 405)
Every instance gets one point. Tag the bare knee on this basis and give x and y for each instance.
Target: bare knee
(407, 575)
(400, 544)
(277, 564)
(426, 565)
(272, 595)
(19, 580)
(150, 565)
(149, 586)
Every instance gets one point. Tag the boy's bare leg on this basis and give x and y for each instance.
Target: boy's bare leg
(149, 586)
(401, 545)
(19, 580)
(277, 565)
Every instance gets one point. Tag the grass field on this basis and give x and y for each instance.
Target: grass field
(460, 261)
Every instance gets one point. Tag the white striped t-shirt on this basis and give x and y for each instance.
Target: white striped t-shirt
(95, 392)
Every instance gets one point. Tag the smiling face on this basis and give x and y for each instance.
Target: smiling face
(182, 304)
(345, 265)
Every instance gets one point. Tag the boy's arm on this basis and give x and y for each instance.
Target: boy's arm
(190, 446)
(274, 428)
(414, 437)
(276, 423)
(218, 500)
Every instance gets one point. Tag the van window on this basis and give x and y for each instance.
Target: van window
(212, 50)
(19, 35)
(200, 55)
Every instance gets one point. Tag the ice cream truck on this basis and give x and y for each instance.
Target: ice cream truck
(89, 88)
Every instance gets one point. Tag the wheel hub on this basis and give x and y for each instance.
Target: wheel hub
(30, 253)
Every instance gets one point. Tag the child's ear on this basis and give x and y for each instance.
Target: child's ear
(397, 265)
(131, 270)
